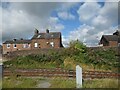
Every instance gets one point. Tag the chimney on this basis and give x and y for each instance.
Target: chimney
(116, 33)
(47, 31)
(14, 39)
(21, 39)
(36, 32)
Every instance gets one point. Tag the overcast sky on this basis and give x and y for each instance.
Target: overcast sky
(86, 21)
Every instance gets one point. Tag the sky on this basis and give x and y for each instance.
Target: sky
(84, 21)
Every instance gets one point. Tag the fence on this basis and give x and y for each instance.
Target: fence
(59, 73)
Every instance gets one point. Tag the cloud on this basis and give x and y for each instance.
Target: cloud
(88, 34)
(65, 16)
(87, 11)
(82, 34)
(40, 9)
(64, 11)
(66, 6)
(0, 25)
(54, 25)
(97, 21)
(20, 19)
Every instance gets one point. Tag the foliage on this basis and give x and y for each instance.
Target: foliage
(103, 57)
(76, 53)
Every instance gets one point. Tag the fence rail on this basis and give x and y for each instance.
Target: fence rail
(59, 73)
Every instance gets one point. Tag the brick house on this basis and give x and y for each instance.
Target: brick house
(110, 40)
(14, 45)
(39, 40)
(46, 40)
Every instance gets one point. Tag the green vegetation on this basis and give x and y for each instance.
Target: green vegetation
(12, 82)
(94, 83)
(62, 83)
(68, 58)
(23, 82)
(101, 83)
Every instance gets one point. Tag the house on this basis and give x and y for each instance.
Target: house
(110, 40)
(46, 40)
(39, 40)
(14, 45)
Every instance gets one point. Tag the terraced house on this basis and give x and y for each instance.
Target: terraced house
(39, 40)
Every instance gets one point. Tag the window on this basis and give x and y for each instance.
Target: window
(51, 35)
(52, 44)
(14, 45)
(35, 44)
(38, 36)
(26, 45)
(8, 45)
(118, 44)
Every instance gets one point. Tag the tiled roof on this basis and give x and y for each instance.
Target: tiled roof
(17, 41)
(111, 37)
(117, 33)
(47, 35)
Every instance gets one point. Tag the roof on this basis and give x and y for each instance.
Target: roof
(17, 41)
(49, 35)
(117, 33)
(110, 37)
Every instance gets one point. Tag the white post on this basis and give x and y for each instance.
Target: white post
(78, 76)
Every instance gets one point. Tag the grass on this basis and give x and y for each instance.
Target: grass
(62, 83)
(34, 64)
(25, 82)
(103, 60)
(30, 65)
(101, 83)
(95, 83)
(12, 82)
(0, 83)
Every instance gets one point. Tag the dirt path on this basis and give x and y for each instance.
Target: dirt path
(44, 84)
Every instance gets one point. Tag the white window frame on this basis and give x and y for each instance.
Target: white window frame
(26, 45)
(38, 36)
(35, 45)
(52, 44)
(118, 44)
(8, 45)
(14, 45)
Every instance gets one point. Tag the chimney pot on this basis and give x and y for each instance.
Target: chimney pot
(14, 39)
(36, 32)
(47, 31)
(21, 39)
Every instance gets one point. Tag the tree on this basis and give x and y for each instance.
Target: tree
(79, 50)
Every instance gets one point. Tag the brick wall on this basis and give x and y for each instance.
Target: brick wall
(45, 43)
(12, 48)
(113, 43)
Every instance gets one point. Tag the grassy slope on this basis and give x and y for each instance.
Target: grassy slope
(68, 59)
